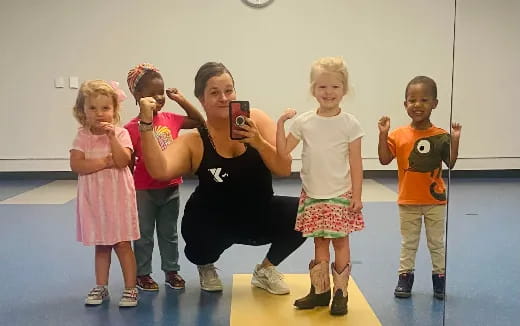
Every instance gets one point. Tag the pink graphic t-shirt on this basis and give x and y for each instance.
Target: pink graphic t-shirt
(166, 126)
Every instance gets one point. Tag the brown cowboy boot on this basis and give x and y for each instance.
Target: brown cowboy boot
(319, 294)
(340, 299)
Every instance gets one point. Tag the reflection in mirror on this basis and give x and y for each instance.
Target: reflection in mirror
(483, 284)
(384, 43)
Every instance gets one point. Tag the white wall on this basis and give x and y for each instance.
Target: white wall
(269, 52)
(487, 83)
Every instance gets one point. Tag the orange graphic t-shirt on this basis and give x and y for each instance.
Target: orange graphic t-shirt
(419, 155)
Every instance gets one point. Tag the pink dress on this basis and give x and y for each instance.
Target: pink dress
(106, 203)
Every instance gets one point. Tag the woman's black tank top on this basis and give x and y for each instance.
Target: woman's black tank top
(232, 184)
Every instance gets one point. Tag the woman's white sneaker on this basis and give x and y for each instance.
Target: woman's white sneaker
(269, 279)
(209, 280)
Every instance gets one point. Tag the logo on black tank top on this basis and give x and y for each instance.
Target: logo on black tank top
(216, 174)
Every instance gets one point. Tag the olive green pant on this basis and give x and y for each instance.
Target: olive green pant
(158, 210)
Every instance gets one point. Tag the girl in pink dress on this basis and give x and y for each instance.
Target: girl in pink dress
(106, 203)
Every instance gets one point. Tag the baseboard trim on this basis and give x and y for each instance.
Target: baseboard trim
(38, 175)
(506, 173)
(368, 174)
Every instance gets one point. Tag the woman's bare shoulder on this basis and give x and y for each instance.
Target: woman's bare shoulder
(265, 125)
(193, 142)
(258, 114)
(260, 117)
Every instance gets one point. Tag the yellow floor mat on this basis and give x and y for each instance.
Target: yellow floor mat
(251, 306)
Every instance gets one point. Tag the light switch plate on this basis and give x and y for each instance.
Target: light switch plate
(73, 82)
(59, 82)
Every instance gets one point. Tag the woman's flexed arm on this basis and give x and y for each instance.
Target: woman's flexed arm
(174, 161)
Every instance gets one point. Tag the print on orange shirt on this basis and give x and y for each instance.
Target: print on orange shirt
(425, 158)
(419, 155)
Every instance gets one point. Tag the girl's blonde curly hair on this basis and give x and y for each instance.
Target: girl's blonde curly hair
(330, 64)
(94, 88)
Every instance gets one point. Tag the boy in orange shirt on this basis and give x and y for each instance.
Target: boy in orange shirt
(420, 149)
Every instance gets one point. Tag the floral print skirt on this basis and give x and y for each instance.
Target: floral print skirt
(328, 218)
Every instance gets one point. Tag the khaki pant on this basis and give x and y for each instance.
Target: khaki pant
(411, 222)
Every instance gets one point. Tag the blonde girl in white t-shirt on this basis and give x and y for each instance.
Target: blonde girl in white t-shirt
(332, 174)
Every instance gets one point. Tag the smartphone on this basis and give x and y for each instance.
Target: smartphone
(238, 112)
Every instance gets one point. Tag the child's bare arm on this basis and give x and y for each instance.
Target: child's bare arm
(131, 165)
(285, 144)
(194, 118)
(120, 155)
(80, 165)
(383, 151)
(455, 138)
(356, 173)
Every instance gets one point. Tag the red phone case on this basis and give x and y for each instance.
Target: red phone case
(238, 112)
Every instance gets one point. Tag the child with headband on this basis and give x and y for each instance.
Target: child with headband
(157, 201)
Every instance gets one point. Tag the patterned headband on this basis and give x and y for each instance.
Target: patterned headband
(136, 73)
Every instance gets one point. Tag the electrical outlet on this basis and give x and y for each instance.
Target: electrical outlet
(59, 82)
(73, 82)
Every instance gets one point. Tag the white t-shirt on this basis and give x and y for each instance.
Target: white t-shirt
(325, 157)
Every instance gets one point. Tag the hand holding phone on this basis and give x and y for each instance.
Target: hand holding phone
(238, 112)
